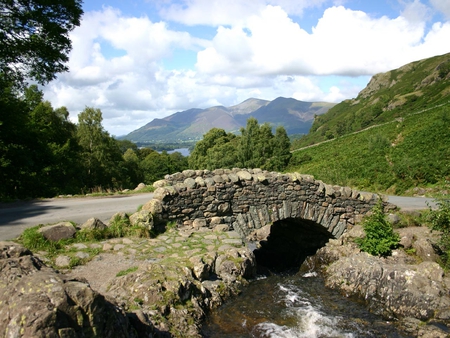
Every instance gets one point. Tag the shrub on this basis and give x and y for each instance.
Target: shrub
(380, 237)
(440, 220)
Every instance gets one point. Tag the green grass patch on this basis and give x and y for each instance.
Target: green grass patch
(393, 158)
(127, 271)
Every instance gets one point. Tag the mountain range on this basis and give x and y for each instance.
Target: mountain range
(190, 125)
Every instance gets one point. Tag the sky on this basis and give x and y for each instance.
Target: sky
(137, 60)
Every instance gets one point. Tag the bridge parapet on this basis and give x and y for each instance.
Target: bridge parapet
(248, 199)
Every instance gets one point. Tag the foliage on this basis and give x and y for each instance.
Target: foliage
(34, 37)
(391, 158)
(395, 94)
(256, 147)
(380, 237)
(440, 220)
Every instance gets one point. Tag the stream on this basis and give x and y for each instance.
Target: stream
(287, 306)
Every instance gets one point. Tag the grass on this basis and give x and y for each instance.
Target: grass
(393, 158)
(127, 271)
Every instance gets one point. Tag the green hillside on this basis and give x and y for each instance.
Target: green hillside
(414, 87)
(408, 152)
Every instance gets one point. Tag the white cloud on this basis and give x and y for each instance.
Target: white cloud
(231, 12)
(442, 6)
(344, 42)
(117, 62)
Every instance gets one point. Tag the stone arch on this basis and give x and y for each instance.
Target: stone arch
(246, 200)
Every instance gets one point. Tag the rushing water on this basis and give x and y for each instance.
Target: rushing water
(295, 306)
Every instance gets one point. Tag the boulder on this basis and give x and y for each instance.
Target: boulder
(39, 302)
(140, 186)
(143, 218)
(93, 224)
(154, 206)
(57, 232)
(118, 216)
(392, 290)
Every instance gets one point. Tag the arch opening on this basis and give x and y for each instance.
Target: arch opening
(289, 243)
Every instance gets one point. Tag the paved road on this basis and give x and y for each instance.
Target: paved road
(16, 217)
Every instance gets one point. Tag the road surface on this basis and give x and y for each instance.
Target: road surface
(16, 217)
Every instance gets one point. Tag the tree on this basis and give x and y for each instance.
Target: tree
(34, 37)
(100, 151)
(281, 151)
(214, 151)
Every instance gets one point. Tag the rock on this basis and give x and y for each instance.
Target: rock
(46, 305)
(12, 250)
(93, 224)
(140, 187)
(244, 175)
(62, 261)
(57, 232)
(199, 223)
(160, 184)
(425, 250)
(391, 290)
(143, 218)
(235, 262)
(154, 206)
(393, 219)
(119, 217)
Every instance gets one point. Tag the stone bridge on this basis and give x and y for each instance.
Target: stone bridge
(289, 212)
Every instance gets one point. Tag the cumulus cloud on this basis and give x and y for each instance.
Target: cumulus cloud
(441, 6)
(259, 49)
(344, 42)
(235, 12)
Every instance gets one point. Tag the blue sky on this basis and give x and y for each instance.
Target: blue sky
(138, 60)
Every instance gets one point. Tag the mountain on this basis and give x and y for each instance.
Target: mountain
(395, 94)
(296, 117)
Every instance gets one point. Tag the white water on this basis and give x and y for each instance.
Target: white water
(311, 322)
(295, 307)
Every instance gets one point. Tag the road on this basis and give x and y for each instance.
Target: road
(16, 217)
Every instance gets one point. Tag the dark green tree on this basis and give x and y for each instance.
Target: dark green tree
(281, 151)
(217, 149)
(34, 37)
(100, 152)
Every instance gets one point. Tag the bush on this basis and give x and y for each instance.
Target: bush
(380, 237)
(440, 220)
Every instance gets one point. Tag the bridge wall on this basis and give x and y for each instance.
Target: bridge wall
(248, 199)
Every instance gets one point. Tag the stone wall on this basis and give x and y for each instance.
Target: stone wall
(249, 199)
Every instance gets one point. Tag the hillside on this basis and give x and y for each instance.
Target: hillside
(296, 117)
(416, 86)
(401, 142)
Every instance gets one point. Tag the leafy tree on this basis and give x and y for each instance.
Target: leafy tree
(247, 149)
(54, 155)
(15, 142)
(214, 151)
(34, 37)
(100, 151)
(281, 151)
